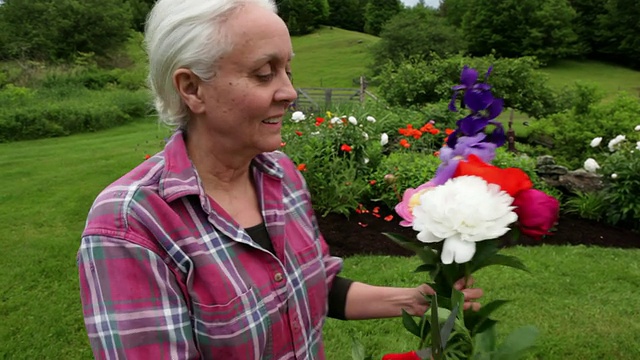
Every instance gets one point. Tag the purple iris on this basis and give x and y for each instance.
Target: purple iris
(466, 145)
(468, 79)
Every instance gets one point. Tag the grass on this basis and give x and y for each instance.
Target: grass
(330, 57)
(585, 301)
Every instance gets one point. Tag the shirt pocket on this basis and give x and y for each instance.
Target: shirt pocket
(239, 329)
(313, 275)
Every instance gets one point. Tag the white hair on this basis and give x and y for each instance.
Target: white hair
(186, 34)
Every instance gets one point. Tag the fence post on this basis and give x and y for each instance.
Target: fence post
(327, 98)
(363, 87)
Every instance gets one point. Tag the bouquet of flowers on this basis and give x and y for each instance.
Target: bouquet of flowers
(459, 216)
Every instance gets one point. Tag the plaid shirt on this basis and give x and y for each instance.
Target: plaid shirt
(166, 273)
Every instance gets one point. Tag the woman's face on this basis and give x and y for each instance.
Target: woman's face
(245, 101)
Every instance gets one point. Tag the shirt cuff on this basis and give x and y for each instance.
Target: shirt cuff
(338, 297)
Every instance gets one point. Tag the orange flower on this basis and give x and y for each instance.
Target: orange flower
(376, 209)
(436, 154)
(346, 148)
(449, 131)
(434, 131)
(510, 180)
(282, 144)
(388, 218)
(147, 157)
(302, 167)
(404, 143)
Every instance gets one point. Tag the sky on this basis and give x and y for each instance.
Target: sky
(433, 3)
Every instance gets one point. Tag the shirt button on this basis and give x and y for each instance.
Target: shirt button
(278, 277)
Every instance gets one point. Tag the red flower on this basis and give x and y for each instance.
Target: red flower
(404, 143)
(537, 212)
(511, 180)
(319, 121)
(346, 148)
(372, 182)
(302, 167)
(388, 218)
(282, 144)
(298, 133)
(411, 355)
(147, 157)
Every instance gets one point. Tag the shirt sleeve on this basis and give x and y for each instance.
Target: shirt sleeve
(338, 297)
(132, 303)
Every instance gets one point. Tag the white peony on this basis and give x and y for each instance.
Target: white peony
(353, 120)
(614, 176)
(298, 116)
(591, 165)
(365, 136)
(372, 119)
(613, 144)
(596, 141)
(638, 145)
(335, 120)
(461, 212)
(384, 139)
(637, 128)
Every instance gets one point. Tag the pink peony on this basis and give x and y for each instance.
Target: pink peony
(537, 212)
(410, 199)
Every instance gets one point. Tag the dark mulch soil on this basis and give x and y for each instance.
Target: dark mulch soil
(362, 234)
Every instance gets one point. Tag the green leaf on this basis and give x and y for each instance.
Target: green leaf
(425, 254)
(517, 344)
(425, 268)
(446, 329)
(474, 319)
(500, 259)
(484, 343)
(410, 324)
(436, 344)
(357, 350)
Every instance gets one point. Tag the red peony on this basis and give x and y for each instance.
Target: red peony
(537, 212)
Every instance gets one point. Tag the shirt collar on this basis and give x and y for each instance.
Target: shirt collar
(180, 177)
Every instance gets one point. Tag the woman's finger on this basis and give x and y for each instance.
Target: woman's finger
(472, 294)
(464, 283)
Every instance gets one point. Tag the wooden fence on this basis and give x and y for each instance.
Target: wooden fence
(318, 99)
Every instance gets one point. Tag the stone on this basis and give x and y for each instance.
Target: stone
(581, 180)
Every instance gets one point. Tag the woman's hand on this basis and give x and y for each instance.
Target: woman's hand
(471, 295)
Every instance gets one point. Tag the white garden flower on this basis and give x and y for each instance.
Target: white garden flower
(335, 120)
(637, 128)
(384, 139)
(298, 116)
(365, 161)
(613, 144)
(637, 145)
(596, 141)
(461, 212)
(591, 165)
(365, 136)
(315, 133)
(371, 119)
(353, 120)
(614, 176)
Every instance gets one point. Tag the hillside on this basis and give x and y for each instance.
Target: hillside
(330, 57)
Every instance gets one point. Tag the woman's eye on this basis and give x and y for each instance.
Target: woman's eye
(265, 77)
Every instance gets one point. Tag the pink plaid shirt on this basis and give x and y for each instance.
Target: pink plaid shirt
(166, 273)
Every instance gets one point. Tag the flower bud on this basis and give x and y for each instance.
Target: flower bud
(389, 179)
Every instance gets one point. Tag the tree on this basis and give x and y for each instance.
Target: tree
(513, 28)
(586, 24)
(378, 12)
(59, 29)
(303, 16)
(430, 35)
(347, 14)
(619, 32)
(454, 11)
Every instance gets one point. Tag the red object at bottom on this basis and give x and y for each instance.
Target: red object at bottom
(411, 355)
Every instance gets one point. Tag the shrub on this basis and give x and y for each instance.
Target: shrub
(621, 173)
(570, 133)
(415, 82)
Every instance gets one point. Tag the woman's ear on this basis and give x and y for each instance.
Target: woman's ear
(188, 86)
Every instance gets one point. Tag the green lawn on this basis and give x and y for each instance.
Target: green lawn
(330, 57)
(584, 301)
(610, 78)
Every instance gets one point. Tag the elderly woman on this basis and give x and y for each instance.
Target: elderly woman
(210, 249)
